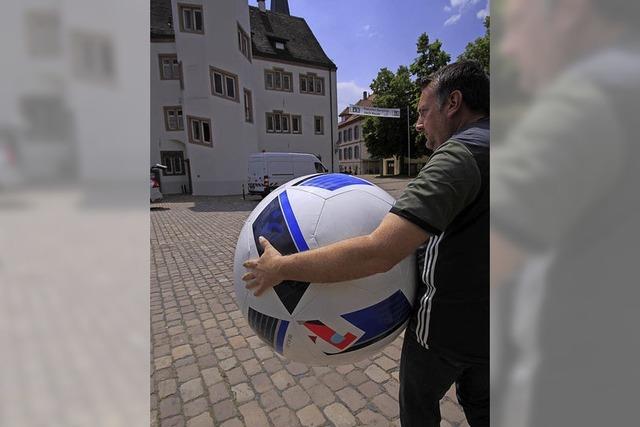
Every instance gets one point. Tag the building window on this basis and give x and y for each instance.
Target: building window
(93, 57)
(340, 157)
(200, 131)
(277, 79)
(344, 135)
(318, 126)
(173, 118)
(311, 83)
(356, 152)
(224, 84)
(339, 138)
(296, 124)
(191, 19)
(244, 43)
(248, 106)
(356, 132)
(279, 45)
(174, 161)
(350, 153)
(345, 154)
(169, 67)
(43, 34)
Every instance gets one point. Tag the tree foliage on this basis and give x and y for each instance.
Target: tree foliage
(386, 137)
(479, 50)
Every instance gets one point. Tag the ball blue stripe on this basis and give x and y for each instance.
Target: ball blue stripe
(334, 181)
(294, 228)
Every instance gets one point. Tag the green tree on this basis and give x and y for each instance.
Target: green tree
(479, 49)
(430, 58)
(384, 136)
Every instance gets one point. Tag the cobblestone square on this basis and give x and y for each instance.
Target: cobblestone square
(207, 366)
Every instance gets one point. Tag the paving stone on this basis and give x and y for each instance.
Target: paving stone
(310, 416)
(369, 389)
(393, 388)
(167, 388)
(185, 373)
(242, 392)
(451, 412)
(207, 361)
(189, 360)
(376, 374)
(344, 369)
(251, 366)
(177, 421)
(203, 350)
(321, 395)
(181, 351)
(191, 389)
(261, 383)
(228, 364)
(282, 380)
(386, 405)
(385, 363)
(218, 392)
(339, 415)
(163, 362)
(284, 417)
(392, 352)
(254, 415)
(211, 376)
(195, 407)
(236, 376)
(211, 323)
(244, 354)
(170, 406)
(272, 365)
(223, 352)
(224, 410)
(202, 420)
(334, 381)
(356, 377)
(232, 423)
(352, 398)
(296, 397)
(308, 382)
(296, 368)
(370, 418)
(237, 342)
(164, 374)
(271, 400)
(264, 353)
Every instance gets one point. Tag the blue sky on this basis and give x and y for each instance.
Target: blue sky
(362, 36)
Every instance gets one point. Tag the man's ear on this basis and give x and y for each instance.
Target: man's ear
(454, 103)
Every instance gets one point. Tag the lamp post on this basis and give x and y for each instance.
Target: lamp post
(408, 144)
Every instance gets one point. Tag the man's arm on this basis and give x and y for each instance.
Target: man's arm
(393, 240)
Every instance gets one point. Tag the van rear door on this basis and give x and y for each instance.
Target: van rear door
(280, 171)
(257, 172)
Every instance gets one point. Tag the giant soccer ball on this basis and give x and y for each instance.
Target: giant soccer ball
(323, 324)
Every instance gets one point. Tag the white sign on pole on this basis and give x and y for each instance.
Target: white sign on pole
(393, 113)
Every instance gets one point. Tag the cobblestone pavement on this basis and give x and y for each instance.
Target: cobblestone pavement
(208, 368)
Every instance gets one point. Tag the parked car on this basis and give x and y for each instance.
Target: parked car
(267, 171)
(155, 195)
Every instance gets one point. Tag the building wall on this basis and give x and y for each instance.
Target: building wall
(364, 164)
(222, 168)
(306, 105)
(165, 93)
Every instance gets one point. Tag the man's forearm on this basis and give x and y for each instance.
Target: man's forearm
(349, 259)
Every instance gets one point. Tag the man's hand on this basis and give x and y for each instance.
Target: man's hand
(264, 271)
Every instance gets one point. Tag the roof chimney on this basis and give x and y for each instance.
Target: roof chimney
(262, 6)
(281, 6)
(365, 95)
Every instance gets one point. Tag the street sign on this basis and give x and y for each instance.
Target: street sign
(393, 113)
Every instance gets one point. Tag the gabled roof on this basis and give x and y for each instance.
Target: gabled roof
(161, 21)
(352, 118)
(301, 46)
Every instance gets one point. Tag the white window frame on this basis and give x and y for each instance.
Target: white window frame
(199, 123)
(314, 85)
(170, 60)
(296, 118)
(191, 10)
(244, 43)
(277, 76)
(178, 116)
(225, 76)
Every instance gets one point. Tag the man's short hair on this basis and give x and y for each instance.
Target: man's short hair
(466, 76)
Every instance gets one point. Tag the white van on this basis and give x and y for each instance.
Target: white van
(269, 170)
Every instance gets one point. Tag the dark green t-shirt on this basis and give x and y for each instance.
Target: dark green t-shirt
(450, 200)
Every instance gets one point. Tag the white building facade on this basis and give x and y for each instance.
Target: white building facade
(228, 80)
(351, 149)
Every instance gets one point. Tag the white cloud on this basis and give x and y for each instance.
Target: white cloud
(366, 31)
(458, 7)
(349, 93)
(483, 13)
(452, 20)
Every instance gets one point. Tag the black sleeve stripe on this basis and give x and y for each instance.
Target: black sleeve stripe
(417, 221)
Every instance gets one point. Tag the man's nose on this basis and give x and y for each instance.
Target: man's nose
(419, 125)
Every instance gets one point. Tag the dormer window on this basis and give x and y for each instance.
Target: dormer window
(280, 45)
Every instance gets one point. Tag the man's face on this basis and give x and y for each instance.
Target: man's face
(432, 120)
